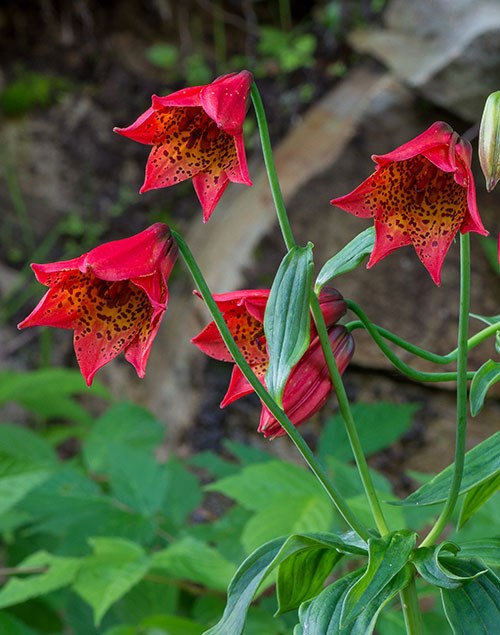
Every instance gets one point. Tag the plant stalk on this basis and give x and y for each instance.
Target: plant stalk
(345, 411)
(334, 495)
(272, 175)
(461, 425)
(411, 609)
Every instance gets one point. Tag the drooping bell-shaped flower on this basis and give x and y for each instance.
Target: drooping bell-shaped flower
(308, 386)
(197, 133)
(420, 194)
(489, 141)
(113, 297)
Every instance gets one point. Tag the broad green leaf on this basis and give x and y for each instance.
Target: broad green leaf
(386, 557)
(214, 464)
(265, 484)
(477, 497)
(72, 507)
(481, 463)
(183, 493)
(148, 597)
(17, 479)
(427, 563)
(136, 479)
(243, 586)
(348, 258)
(378, 425)
(10, 625)
(193, 560)
(287, 320)
(246, 454)
(49, 392)
(474, 608)
(126, 424)
(57, 572)
(20, 442)
(297, 514)
(26, 461)
(109, 573)
(483, 380)
(486, 549)
(322, 615)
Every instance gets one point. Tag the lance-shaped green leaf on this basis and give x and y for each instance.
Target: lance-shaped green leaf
(312, 557)
(386, 557)
(265, 559)
(322, 615)
(494, 319)
(287, 320)
(484, 378)
(481, 463)
(427, 562)
(477, 497)
(486, 549)
(474, 608)
(348, 258)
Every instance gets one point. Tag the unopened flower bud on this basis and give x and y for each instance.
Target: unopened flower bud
(489, 141)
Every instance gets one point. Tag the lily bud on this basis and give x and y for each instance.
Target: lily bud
(489, 141)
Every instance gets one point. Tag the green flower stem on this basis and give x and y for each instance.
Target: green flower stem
(472, 342)
(345, 411)
(461, 426)
(407, 370)
(411, 609)
(267, 152)
(335, 496)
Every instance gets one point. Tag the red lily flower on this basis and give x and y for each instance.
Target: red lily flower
(113, 297)
(420, 194)
(196, 133)
(309, 385)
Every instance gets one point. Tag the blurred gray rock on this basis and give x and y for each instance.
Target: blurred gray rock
(449, 50)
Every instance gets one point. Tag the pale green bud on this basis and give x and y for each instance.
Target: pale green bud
(489, 141)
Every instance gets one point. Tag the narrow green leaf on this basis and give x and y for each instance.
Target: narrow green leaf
(486, 549)
(483, 380)
(262, 561)
(287, 320)
(109, 573)
(348, 258)
(60, 572)
(427, 563)
(481, 463)
(494, 319)
(474, 608)
(387, 556)
(243, 586)
(477, 497)
(194, 560)
(322, 615)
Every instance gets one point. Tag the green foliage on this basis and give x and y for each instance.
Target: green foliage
(31, 90)
(287, 52)
(484, 378)
(481, 463)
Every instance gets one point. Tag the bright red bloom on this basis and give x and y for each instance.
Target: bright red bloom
(420, 194)
(309, 385)
(197, 133)
(113, 297)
